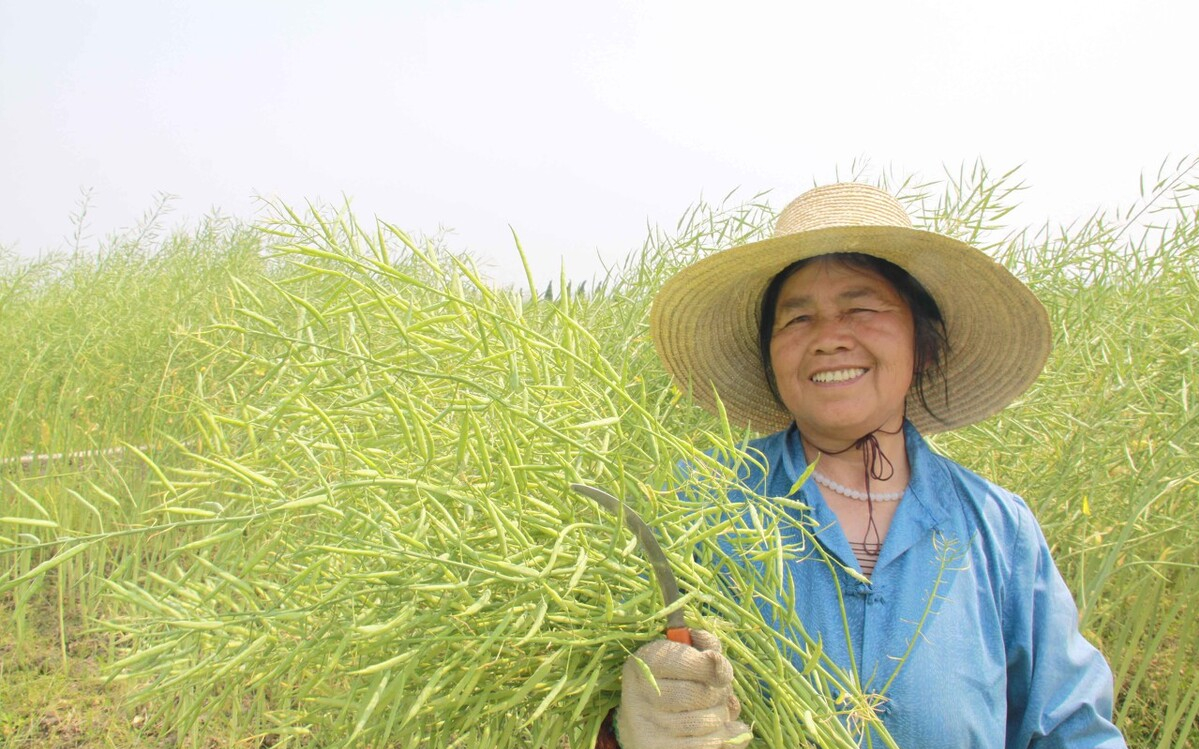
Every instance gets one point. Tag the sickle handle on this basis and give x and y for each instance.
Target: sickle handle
(679, 634)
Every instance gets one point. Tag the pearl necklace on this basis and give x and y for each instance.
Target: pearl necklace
(845, 491)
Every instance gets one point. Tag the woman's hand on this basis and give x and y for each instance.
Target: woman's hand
(693, 706)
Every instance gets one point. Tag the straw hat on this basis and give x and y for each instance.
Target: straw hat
(704, 320)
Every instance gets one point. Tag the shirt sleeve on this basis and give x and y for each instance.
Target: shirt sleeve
(1059, 687)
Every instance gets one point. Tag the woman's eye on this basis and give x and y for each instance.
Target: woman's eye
(798, 319)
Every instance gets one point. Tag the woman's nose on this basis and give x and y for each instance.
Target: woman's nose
(831, 333)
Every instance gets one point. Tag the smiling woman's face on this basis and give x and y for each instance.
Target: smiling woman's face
(843, 352)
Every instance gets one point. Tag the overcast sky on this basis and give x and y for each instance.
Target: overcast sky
(575, 123)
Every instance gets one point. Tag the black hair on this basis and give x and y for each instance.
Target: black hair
(932, 343)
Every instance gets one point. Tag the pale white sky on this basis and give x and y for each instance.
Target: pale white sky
(575, 123)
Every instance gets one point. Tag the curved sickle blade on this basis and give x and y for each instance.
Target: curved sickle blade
(676, 629)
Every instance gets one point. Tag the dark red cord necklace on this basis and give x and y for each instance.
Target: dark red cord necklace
(875, 465)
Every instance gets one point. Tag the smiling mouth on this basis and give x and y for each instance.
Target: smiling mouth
(838, 375)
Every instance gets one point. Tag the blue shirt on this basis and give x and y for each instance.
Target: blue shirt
(1000, 661)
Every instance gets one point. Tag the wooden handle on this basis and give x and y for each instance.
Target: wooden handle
(679, 634)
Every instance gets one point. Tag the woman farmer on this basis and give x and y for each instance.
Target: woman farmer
(848, 334)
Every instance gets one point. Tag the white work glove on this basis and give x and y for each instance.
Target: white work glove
(693, 706)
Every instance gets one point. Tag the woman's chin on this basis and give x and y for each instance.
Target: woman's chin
(846, 428)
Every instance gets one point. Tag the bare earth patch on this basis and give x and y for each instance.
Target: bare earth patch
(49, 703)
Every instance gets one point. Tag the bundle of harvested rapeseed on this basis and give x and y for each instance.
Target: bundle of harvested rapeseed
(390, 552)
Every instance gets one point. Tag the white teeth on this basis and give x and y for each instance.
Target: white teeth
(838, 375)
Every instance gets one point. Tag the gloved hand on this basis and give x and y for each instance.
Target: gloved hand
(695, 708)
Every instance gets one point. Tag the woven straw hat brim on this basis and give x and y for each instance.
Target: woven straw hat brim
(704, 324)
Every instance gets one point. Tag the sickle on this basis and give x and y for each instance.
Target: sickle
(676, 629)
